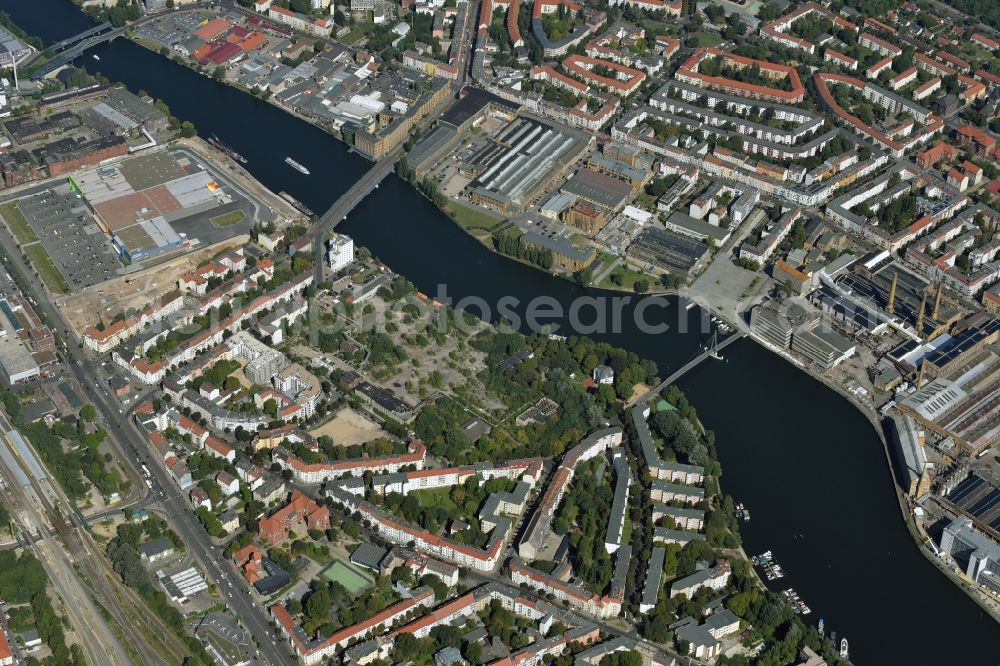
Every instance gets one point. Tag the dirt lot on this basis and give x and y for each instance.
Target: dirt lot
(349, 427)
(109, 298)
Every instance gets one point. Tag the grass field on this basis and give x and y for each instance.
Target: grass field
(228, 219)
(627, 277)
(707, 39)
(42, 262)
(439, 497)
(17, 223)
(471, 219)
(345, 574)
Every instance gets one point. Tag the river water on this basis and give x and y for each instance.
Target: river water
(808, 466)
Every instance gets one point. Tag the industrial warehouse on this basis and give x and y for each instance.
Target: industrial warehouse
(151, 203)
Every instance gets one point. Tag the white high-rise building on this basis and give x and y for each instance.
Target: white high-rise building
(340, 252)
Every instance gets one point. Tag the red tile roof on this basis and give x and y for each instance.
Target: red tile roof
(212, 29)
(583, 66)
(955, 61)
(4, 646)
(991, 44)
(888, 46)
(837, 55)
(690, 70)
(983, 75)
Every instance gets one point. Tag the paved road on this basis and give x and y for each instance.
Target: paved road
(76, 51)
(132, 445)
(347, 201)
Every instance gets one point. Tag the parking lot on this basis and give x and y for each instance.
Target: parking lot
(79, 249)
(171, 29)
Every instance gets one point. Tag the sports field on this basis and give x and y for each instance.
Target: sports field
(347, 576)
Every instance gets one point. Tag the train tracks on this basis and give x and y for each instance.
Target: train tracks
(142, 637)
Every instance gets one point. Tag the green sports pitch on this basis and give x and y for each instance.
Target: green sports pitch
(345, 574)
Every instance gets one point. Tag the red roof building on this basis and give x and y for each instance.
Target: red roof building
(253, 42)
(274, 529)
(6, 658)
(986, 77)
(975, 138)
(688, 73)
(829, 55)
(878, 45)
(954, 61)
(212, 29)
(940, 151)
(991, 44)
(220, 54)
(625, 82)
(879, 67)
(776, 29)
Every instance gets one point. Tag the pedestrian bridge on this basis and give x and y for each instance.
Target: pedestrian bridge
(711, 350)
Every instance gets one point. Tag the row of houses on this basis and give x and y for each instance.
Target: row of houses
(540, 524)
(542, 616)
(315, 473)
(494, 516)
(154, 371)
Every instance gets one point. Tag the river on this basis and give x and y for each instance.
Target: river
(808, 465)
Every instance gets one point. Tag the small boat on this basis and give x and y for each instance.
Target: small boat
(97, 57)
(690, 305)
(295, 165)
(217, 142)
(843, 648)
(295, 202)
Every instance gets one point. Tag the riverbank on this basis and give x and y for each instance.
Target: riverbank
(187, 63)
(920, 538)
(457, 211)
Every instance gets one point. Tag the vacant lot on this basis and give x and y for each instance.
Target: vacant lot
(228, 219)
(349, 427)
(133, 292)
(471, 219)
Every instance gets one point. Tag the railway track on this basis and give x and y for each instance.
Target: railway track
(122, 604)
(34, 535)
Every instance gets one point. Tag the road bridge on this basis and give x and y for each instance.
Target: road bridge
(86, 34)
(74, 52)
(346, 203)
(73, 47)
(711, 350)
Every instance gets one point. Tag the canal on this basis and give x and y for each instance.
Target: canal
(809, 467)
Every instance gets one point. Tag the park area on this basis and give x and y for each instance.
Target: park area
(347, 575)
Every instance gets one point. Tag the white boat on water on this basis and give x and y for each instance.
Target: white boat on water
(97, 57)
(843, 648)
(295, 165)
